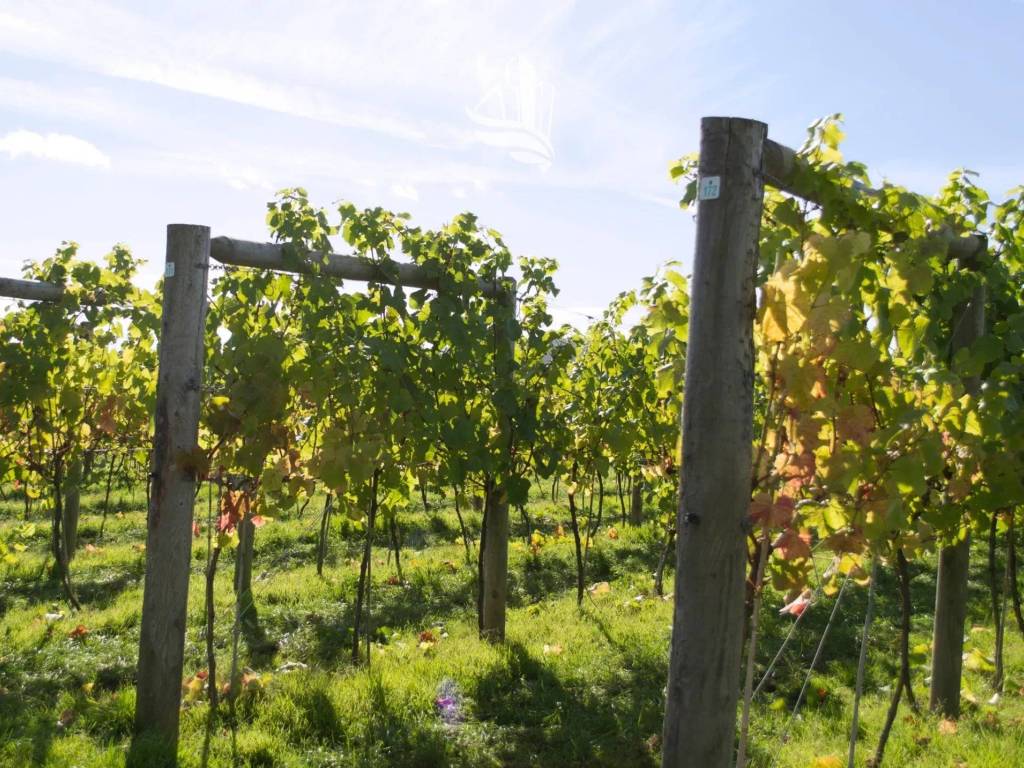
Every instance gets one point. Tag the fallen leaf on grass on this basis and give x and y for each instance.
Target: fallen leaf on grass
(947, 727)
(826, 761)
(601, 588)
(79, 632)
(67, 717)
(553, 650)
(976, 661)
(427, 640)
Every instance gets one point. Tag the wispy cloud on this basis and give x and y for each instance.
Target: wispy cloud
(89, 103)
(58, 147)
(99, 37)
(407, 191)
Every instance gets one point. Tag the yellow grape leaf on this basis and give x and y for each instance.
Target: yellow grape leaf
(947, 727)
(856, 422)
(785, 304)
(827, 761)
(827, 318)
(976, 661)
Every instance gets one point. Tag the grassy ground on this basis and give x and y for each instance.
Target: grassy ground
(571, 687)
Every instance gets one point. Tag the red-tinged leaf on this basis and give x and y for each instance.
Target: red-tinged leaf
(777, 514)
(202, 674)
(233, 507)
(798, 605)
(79, 632)
(793, 545)
(760, 507)
(426, 636)
(258, 521)
(196, 531)
(796, 465)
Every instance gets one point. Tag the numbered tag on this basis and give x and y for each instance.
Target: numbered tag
(710, 188)
(169, 269)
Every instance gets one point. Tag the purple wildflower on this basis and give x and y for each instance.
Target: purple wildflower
(448, 702)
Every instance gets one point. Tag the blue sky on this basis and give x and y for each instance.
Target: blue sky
(554, 121)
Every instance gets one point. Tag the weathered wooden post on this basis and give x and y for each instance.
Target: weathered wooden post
(173, 473)
(707, 630)
(954, 560)
(494, 537)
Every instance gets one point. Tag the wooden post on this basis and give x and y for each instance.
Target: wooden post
(954, 560)
(707, 630)
(169, 526)
(494, 536)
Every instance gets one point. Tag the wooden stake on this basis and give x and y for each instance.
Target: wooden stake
(174, 474)
(954, 560)
(494, 535)
(707, 633)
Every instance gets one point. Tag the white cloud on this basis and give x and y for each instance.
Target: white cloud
(83, 103)
(408, 191)
(413, 73)
(53, 146)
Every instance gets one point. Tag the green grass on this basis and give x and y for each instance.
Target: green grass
(593, 699)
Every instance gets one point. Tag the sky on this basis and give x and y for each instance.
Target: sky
(554, 121)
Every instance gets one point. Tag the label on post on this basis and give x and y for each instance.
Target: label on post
(169, 269)
(710, 188)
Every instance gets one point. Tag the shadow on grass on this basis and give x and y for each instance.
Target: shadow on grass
(546, 722)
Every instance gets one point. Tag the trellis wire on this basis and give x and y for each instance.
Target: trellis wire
(862, 661)
(814, 663)
(792, 630)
